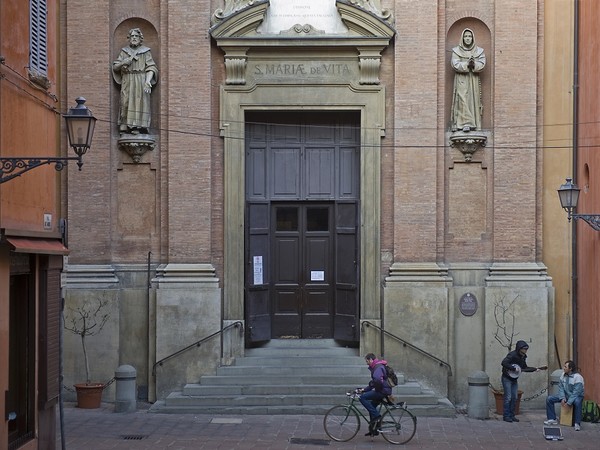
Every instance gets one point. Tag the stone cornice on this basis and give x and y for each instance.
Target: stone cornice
(240, 20)
(369, 33)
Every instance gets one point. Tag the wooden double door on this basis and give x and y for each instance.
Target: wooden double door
(302, 277)
(302, 227)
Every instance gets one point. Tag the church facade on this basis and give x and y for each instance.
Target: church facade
(362, 171)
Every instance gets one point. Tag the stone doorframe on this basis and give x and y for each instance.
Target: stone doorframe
(303, 70)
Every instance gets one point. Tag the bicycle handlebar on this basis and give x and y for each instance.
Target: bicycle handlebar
(354, 393)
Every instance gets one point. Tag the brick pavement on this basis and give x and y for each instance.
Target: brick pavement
(101, 429)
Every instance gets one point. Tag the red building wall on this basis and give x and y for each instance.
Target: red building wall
(588, 179)
(30, 126)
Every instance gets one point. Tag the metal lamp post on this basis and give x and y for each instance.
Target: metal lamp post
(80, 129)
(568, 194)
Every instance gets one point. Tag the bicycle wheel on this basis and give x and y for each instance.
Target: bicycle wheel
(341, 423)
(398, 426)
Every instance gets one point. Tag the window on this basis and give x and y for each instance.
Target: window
(287, 219)
(38, 43)
(317, 219)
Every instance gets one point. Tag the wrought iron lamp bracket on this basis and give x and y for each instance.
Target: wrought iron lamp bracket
(14, 167)
(593, 220)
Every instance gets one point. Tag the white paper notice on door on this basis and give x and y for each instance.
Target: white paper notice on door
(317, 275)
(258, 269)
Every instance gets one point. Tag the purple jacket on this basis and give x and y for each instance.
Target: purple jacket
(378, 377)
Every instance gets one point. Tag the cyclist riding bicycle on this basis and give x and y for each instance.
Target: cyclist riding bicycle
(377, 390)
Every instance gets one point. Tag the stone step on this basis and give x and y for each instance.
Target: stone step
(287, 360)
(178, 399)
(439, 410)
(161, 407)
(289, 371)
(291, 376)
(329, 344)
(315, 352)
(333, 380)
(407, 389)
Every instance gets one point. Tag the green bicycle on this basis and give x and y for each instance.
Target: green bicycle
(398, 424)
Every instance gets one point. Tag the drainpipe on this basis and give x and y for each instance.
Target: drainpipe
(64, 231)
(61, 407)
(148, 289)
(574, 276)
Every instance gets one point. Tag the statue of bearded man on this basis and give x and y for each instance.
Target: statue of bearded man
(136, 72)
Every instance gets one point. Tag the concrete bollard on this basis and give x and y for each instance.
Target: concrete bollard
(125, 397)
(478, 395)
(553, 388)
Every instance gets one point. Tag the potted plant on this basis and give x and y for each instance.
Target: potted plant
(505, 333)
(85, 320)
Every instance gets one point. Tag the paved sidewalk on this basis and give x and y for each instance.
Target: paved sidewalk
(102, 428)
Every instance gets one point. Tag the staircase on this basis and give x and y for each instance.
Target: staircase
(292, 376)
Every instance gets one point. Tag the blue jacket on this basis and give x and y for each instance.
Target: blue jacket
(570, 387)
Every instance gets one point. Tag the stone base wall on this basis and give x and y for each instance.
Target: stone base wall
(422, 305)
(148, 320)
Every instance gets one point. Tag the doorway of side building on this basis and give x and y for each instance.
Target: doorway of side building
(301, 233)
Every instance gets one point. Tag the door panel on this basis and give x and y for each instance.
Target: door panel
(286, 287)
(346, 306)
(286, 173)
(318, 300)
(256, 167)
(258, 304)
(286, 318)
(347, 174)
(320, 166)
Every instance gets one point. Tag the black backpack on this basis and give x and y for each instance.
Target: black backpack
(390, 376)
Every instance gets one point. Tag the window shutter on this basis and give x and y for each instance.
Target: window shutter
(38, 58)
(50, 302)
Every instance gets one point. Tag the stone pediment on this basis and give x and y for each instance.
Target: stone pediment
(245, 28)
(242, 20)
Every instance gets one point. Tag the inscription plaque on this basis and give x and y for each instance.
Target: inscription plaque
(468, 304)
(298, 72)
(284, 14)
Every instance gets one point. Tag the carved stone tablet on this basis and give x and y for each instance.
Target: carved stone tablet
(468, 304)
(283, 15)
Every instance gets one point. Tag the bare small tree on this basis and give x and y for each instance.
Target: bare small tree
(504, 315)
(86, 320)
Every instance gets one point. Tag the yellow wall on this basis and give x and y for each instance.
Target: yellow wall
(557, 164)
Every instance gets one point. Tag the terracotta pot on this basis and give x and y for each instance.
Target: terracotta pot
(89, 396)
(499, 397)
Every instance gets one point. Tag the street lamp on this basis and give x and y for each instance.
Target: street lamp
(80, 129)
(568, 194)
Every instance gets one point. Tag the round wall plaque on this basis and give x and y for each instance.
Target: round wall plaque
(468, 304)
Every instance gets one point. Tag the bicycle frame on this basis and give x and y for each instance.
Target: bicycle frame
(353, 398)
(397, 424)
